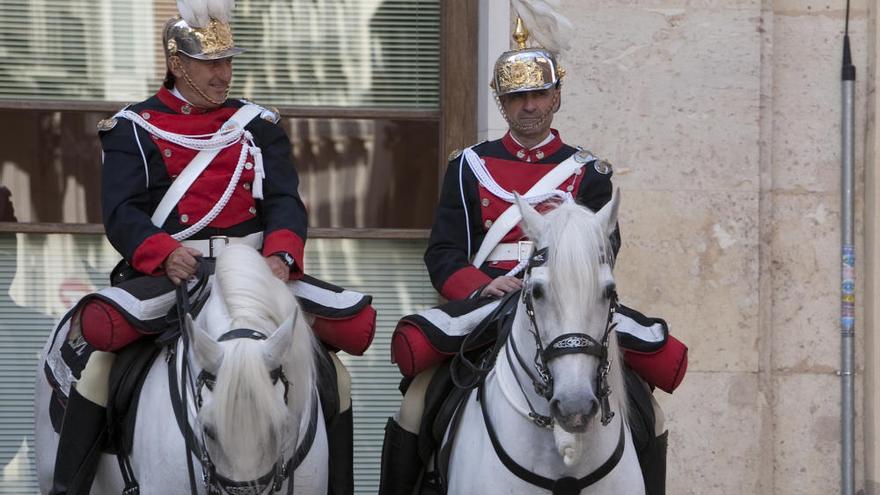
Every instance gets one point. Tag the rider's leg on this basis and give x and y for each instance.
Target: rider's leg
(646, 419)
(401, 463)
(340, 433)
(84, 428)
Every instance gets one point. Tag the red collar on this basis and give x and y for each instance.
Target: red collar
(533, 155)
(177, 105)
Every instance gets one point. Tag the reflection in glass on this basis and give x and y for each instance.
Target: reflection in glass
(350, 53)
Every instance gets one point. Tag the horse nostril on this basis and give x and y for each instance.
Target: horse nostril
(554, 408)
(594, 408)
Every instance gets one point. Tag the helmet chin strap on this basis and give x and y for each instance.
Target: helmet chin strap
(515, 125)
(198, 90)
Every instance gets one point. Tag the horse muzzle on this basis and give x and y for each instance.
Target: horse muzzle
(574, 416)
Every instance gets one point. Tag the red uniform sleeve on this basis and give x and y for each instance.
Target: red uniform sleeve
(287, 241)
(463, 283)
(149, 256)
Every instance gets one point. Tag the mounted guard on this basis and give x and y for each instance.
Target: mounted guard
(186, 173)
(477, 254)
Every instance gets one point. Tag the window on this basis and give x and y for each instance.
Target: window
(361, 84)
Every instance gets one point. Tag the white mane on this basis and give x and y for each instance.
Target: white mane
(255, 299)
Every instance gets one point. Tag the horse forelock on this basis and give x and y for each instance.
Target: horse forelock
(576, 245)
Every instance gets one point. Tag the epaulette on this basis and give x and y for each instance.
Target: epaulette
(457, 153)
(270, 114)
(107, 124)
(584, 156)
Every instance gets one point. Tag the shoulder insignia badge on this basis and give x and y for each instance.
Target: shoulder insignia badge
(106, 124)
(602, 167)
(271, 114)
(583, 156)
(454, 155)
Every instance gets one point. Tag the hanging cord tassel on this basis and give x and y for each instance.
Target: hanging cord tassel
(259, 169)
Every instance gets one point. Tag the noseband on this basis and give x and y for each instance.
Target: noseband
(569, 343)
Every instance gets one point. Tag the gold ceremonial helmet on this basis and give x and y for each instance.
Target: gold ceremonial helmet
(211, 42)
(525, 69)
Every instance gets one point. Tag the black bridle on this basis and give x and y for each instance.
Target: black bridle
(542, 380)
(569, 343)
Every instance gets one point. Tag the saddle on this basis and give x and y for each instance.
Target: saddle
(67, 358)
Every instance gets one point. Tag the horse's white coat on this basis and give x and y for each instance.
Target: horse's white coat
(574, 302)
(245, 294)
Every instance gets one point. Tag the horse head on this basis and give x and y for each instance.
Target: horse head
(567, 305)
(253, 353)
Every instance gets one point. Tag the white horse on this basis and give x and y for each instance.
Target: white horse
(554, 405)
(254, 410)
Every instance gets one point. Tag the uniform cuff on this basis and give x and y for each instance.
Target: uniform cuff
(461, 284)
(149, 256)
(289, 242)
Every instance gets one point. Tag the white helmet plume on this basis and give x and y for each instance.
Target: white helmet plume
(547, 25)
(198, 13)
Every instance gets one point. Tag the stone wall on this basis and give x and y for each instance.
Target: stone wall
(722, 118)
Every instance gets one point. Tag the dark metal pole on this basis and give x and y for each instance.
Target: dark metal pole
(848, 297)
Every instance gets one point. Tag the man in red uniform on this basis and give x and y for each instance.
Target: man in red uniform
(183, 167)
(478, 188)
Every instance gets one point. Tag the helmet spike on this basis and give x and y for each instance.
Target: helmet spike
(520, 34)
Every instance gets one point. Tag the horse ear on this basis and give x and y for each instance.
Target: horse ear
(532, 221)
(280, 342)
(206, 350)
(608, 214)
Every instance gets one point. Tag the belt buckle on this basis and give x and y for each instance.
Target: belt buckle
(525, 250)
(215, 246)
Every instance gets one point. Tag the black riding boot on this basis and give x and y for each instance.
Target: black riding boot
(650, 448)
(340, 436)
(652, 460)
(401, 464)
(82, 434)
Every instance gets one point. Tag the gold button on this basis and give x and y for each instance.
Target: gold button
(248, 166)
(539, 155)
(570, 188)
(521, 154)
(488, 224)
(186, 109)
(252, 210)
(184, 218)
(146, 115)
(173, 176)
(485, 202)
(247, 185)
(167, 153)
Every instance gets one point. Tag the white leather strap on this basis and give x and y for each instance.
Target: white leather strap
(214, 246)
(511, 251)
(511, 216)
(198, 164)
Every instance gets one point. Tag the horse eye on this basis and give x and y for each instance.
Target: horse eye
(537, 291)
(610, 289)
(209, 432)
